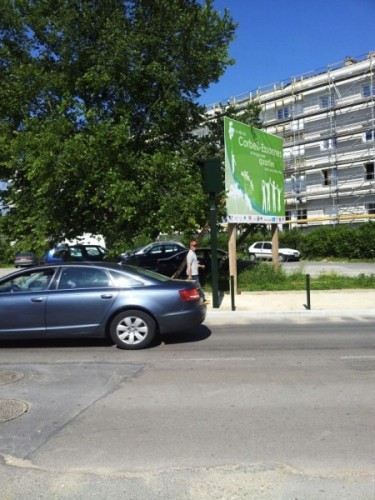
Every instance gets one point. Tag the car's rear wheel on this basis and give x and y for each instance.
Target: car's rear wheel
(132, 329)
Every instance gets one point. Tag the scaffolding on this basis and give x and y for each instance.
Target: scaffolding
(326, 118)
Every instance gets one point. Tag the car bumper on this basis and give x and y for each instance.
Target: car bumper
(182, 320)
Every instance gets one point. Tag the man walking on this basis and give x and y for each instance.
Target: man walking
(192, 266)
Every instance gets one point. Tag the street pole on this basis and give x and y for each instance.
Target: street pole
(212, 184)
(275, 246)
(232, 249)
(214, 263)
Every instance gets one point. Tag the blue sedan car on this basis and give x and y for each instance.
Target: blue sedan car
(74, 253)
(125, 304)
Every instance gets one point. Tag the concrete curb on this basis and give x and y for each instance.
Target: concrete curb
(230, 315)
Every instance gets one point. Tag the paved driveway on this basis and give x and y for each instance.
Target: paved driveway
(340, 268)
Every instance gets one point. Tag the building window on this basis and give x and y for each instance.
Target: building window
(288, 218)
(298, 183)
(327, 101)
(327, 177)
(368, 90)
(369, 135)
(286, 153)
(298, 150)
(369, 171)
(283, 113)
(371, 208)
(302, 214)
(328, 144)
(297, 124)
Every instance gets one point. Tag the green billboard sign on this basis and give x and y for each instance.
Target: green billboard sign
(254, 174)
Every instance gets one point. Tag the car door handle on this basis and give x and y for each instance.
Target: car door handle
(106, 295)
(37, 299)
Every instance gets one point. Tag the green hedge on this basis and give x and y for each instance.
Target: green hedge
(340, 241)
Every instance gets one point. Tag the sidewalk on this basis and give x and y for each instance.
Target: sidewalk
(337, 302)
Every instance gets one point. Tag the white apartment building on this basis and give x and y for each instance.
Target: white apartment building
(326, 119)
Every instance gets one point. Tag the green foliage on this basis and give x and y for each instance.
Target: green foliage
(264, 277)
(98, 102)
(3, 243)
(214, 140)
(340, 241)
(365, 240)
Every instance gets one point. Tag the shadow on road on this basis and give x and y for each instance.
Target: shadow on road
(193, 335)
(51, 343)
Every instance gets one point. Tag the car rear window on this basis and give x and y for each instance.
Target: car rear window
(124, 280)
(94, 251)
(75, 252)
(146, 273)
(151, 274)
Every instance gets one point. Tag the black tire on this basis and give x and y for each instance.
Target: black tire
(253, 257)
(132, 330)
(282, 258)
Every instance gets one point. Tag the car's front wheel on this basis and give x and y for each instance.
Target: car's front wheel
(282, 258)
(253, 257)
(132, 329)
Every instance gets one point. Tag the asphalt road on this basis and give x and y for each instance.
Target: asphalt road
(277, 409)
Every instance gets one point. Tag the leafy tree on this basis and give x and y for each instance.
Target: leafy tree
(214, 138)
(97, 107)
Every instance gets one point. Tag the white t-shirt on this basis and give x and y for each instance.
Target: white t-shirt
(192, 260)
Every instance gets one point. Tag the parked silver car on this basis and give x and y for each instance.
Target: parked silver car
(25, 259)
(263, 250)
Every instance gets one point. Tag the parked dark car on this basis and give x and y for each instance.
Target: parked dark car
(176, 264)
(67, 253)
(148, 256)
(128, 305)
(25, 259)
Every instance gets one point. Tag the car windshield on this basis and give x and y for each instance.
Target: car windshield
(144, 249)
(135, 250)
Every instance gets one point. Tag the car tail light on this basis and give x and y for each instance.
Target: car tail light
(189, 295)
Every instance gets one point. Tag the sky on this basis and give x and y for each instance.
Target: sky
(279, 39)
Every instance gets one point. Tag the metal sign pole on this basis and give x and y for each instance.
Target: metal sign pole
(214, 264)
